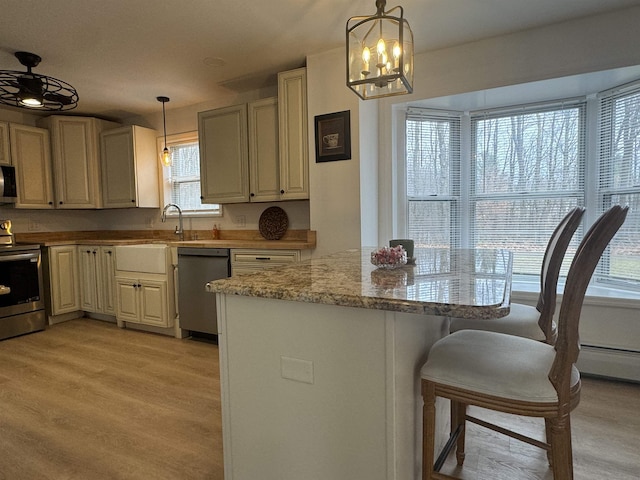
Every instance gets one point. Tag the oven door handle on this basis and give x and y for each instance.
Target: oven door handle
(19, 256)
(4, 290)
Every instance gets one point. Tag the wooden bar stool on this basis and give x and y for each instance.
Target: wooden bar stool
(516, 375)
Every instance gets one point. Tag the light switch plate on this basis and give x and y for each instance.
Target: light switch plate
(296, 369)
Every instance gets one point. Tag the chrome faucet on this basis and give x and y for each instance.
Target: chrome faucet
(179, 230)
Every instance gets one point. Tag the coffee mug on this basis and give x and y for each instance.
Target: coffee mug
(331, 140)
(406, 243)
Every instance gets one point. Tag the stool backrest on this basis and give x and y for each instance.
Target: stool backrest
(550, 271)
(582, 267)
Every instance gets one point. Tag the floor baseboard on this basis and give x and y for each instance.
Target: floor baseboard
(608, 362)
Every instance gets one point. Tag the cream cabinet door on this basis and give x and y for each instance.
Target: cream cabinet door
(129, 167)
(75, 149)
(153, 303)
(89, 274)
(118, 168)
(5, 158)
(107, 279)
(293, 134)
(264, 178)
(30, 155)
(222, 136)
(127, 300)
(63, 273)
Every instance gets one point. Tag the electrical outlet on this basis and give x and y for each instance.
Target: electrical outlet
(33, 226)
(296, 369)
(240, 220)
(149, 222)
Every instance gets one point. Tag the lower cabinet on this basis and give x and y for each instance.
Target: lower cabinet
(143, 300)
(97, 279)
(63, 279)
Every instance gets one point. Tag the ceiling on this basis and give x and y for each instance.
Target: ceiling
(121, 54)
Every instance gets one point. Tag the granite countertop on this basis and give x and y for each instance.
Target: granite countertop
(247, 239)
(458, 283)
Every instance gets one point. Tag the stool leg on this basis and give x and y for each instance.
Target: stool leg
(428, 428)
(458, 418)
(561, 448)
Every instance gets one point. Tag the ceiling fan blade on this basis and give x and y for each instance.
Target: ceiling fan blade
(58, 98)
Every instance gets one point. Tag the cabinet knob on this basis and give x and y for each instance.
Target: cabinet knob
(60, 202)
(133, 201)
(281, 191)
(253, 194)
(88, 251)
(50, 203)
(201, 197)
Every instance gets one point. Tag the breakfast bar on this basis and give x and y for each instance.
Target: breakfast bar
(320, 360)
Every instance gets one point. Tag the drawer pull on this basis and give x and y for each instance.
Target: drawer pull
(263, 258)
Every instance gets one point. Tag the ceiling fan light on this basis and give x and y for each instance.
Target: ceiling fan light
(30, 101)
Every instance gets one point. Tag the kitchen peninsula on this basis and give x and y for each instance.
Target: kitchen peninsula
(319, 360)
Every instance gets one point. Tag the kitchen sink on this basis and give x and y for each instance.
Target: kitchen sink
(146, 258)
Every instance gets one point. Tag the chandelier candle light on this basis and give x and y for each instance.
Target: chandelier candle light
(380, 53)
(166, 155)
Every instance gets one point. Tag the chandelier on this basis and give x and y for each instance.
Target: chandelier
(32, 90)
(380, 53)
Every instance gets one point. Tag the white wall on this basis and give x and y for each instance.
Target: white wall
(334, 186)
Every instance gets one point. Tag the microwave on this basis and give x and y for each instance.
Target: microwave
(8, 192)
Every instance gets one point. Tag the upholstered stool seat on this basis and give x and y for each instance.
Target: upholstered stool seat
(522, 321)
(495, 364)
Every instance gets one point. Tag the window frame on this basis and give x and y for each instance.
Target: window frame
(181, 139)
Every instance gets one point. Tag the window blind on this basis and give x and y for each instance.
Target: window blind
(433, 177)
(619, 179)
(185, 177)
(527, 169)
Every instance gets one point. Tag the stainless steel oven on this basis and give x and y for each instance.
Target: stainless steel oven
(21, 288)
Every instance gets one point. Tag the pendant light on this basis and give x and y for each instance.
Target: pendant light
(166, 155)
(380, 53)
(32, 90)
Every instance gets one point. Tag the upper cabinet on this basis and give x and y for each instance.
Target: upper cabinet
(257, 152)
(294, 141)
(75, 148)
(264, 180)
(222, 136)
(30, 154)
(5, 158)
(129, 168)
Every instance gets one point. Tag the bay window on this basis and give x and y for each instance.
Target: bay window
(521, 169)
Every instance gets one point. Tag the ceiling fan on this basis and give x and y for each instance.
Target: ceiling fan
(32, 90)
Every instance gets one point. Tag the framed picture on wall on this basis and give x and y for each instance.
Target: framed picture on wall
(333, 136)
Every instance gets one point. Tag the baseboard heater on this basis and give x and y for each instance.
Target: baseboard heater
(610, 362)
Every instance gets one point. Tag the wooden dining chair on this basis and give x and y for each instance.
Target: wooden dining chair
(525, 320)
(516, 375)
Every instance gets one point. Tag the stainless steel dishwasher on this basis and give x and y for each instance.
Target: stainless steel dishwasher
(197, 307)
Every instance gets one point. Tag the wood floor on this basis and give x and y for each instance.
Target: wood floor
(86, 400)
